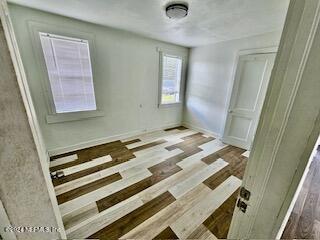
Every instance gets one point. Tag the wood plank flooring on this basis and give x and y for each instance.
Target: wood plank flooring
(170, 184)
(304, 221)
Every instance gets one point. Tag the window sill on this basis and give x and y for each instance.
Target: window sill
(74, 116)
(166, 105)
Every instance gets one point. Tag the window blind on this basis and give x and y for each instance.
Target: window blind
(70, 74)
(171, 78)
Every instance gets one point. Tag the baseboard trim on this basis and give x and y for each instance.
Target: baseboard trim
(95, 142)
(203, 130)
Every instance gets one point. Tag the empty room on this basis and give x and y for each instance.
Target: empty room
(156, 119)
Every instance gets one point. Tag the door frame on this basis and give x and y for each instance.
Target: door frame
(30, 109)
(302, 23)
(231, 91)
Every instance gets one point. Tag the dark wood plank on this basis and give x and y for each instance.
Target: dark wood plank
(91, 152)
(194, 141)
(116, 160)
(186, 143)
(291, 226)
(218, 178)
(303, 222)
(307, 219)
(131, 141)
(77, 192)
(172, 161)
(176, 128)
(166, 234)
(66, 165)
(199, 232)
(293, 221)
(218, 154)
(159, 172)
(219, 221)
(192, 136)
(237, 163)
(157, 176)
(236, 166)
(114, 149)
(133, 219)
(148, 145)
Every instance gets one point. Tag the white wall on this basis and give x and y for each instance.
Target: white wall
(125, 72)
(210, 80)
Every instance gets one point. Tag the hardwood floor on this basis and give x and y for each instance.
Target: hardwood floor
(176, 183)
(304, 221)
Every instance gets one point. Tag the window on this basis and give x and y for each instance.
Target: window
(170, 79)
(70, 74)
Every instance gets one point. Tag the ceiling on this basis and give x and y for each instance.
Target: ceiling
(208, 21)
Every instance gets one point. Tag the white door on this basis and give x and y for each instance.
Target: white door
(249, 89)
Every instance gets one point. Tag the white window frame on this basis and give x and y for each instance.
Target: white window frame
(35, 29)
(182, 80)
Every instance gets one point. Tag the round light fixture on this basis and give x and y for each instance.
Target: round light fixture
(177, 10)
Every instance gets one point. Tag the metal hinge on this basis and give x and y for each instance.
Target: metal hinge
(245, 193)
(242, 205)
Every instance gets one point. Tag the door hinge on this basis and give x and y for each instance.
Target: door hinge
(245, 193)
(242, 205)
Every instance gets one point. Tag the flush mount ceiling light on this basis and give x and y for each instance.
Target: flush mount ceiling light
(177, 10)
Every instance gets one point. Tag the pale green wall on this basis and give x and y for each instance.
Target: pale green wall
(125, 74)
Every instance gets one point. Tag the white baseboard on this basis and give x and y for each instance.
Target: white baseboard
(95, 142)
(205, 131)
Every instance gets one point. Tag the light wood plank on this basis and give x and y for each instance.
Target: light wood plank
(149, 152)
(208, 236)
(169, 182)
(80, 215)
(195, 158)
(119, 210)
(161, 153)
(208, 148)
(195, 216)
(160, 221)
(178, 190)
(150, 137)
(103, 219)
(100, 193)
(86, 165)
(212, 146)
(167, 137)
(149, 162)
(63, 160)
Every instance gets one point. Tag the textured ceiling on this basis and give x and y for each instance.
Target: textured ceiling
(208, 21)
